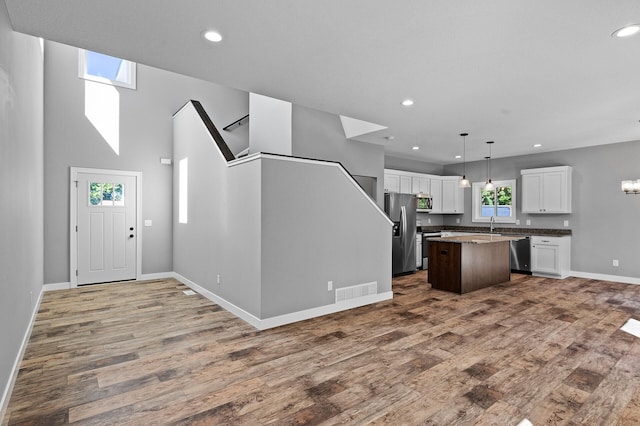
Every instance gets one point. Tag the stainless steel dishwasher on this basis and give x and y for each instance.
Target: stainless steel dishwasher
(425, 247)
(521, 255)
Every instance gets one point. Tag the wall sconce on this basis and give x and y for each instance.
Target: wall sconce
(631, 186)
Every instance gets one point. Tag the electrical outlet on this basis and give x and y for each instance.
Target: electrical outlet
(528, 222)
(517, 221)
(329, 285)
(566, 223)
(615, 262)
(429, 220)
(457, 220)
(218, 278)
(148, 222)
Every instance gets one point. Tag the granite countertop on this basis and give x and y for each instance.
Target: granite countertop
(504, 231)
(476, 239)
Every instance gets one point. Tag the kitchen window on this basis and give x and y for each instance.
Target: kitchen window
(106, 69)
(499, 203)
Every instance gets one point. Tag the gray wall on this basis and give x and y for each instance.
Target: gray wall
(317, 227)
(604, 222)
(319, 135)
(275, 230)
(145, 136)
(410, 165)
(21, 208)
(222, 235)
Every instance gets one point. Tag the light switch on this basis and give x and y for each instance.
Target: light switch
(517, 221)
(147, 222)
(566, 223)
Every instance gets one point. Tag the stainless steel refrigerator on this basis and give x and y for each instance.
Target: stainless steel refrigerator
(401, 209)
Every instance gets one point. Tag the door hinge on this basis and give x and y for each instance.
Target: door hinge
(76, 228)
(76, 183)
(76, 272)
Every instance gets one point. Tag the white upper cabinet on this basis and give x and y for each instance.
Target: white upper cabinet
(546, 190)
(447, 196)
(436, 195)
(391, 182)
(452, 195)
(420, 185)
(405, 184)
(397, 182)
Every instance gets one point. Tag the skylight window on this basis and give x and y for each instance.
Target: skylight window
(107, 69)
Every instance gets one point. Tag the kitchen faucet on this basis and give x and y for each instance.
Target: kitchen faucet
(492, 222)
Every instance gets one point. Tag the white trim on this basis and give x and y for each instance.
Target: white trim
(263, 324)
(6, 395)
(73, 217)
(157, 276)
(605, 277)
(56, 286)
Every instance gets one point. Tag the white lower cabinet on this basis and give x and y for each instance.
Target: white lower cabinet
(551, 256)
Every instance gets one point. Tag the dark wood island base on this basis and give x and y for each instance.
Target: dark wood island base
(465, 265)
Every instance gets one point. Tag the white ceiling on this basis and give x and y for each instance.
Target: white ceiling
(515, 71)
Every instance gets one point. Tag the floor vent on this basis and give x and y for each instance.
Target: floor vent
(353, 292)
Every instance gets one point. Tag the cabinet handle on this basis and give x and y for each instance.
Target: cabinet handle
(445, 252)
(545, 241)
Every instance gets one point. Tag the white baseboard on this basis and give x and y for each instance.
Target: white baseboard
(6, 395)
(605, 277)
(157, 276)
(277, 321)
(56, 286)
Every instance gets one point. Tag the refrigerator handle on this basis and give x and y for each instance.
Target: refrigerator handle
(403, 223)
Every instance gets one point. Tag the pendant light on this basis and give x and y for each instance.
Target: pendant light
(488, 186)
(464, 182)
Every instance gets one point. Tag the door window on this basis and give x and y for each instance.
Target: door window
(106, 194)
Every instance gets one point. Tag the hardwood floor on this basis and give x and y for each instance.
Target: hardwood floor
(145, 353)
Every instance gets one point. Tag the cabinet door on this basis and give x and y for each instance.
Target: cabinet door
(545, 259)
(436, 193)
(405, 184)
(554, 193)
(391, 183)
(420, 185)
(532, 193)
(452, 196)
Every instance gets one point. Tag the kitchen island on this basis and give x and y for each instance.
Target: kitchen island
(469, 262)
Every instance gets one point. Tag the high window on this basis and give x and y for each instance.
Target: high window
(107, 69)
(499, 203)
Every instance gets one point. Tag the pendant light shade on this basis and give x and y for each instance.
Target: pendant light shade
(464, 182)
(488, 186)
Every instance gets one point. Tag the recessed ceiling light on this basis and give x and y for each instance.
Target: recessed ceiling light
(407, 102)
(537, 145)
(415, 148)
(212, 36)
(626, 31)
(458, 156)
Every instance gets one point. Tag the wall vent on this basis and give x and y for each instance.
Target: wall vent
(353, 292)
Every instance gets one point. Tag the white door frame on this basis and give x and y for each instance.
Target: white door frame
(73, 218)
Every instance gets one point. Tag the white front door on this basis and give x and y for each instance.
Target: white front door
(106, 233)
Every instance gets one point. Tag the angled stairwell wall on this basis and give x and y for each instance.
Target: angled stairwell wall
(275, 229)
